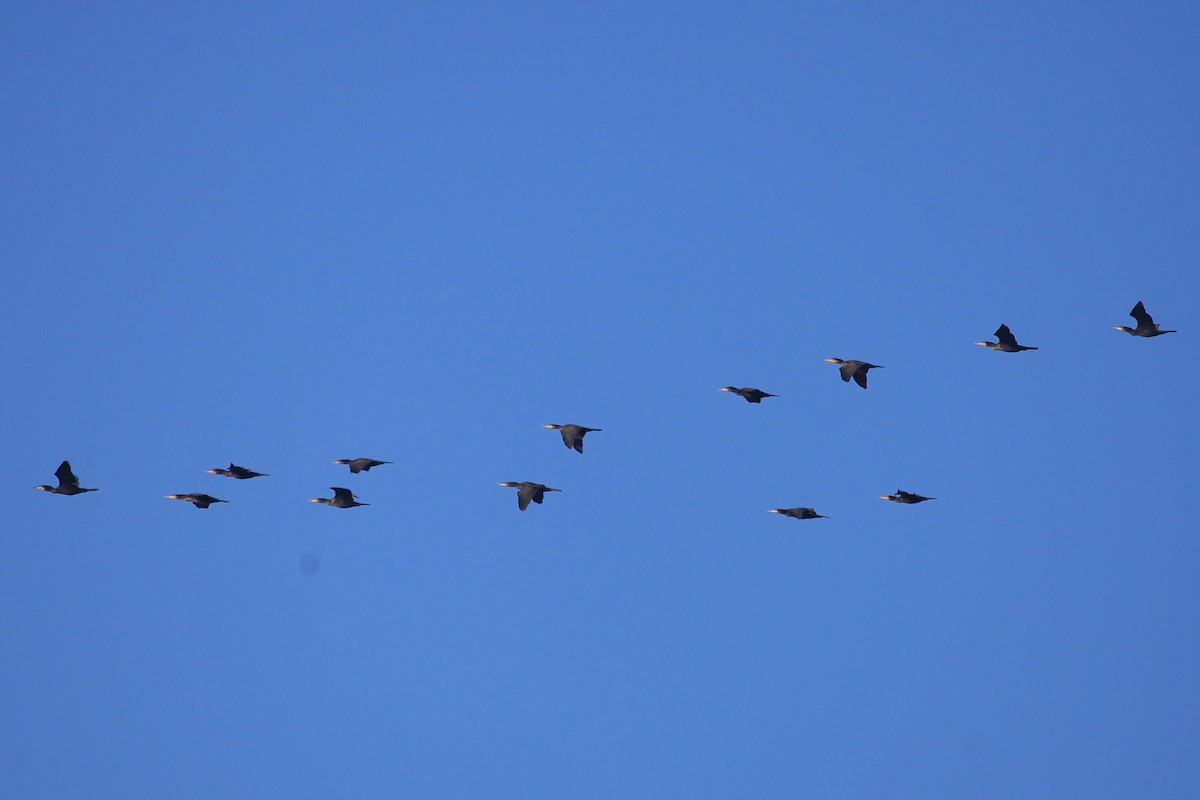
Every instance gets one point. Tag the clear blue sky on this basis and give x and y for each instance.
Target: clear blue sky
(281, 234)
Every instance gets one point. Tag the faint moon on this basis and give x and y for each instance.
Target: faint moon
(310, 563)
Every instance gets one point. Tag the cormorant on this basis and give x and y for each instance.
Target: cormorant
(751, 395)
(241, 473)
(854, 369)
(572, 435)
(908, 498)
(798, 513)
(342, 498)
(67, 482)
(1145, 323)
(527, 491)
(200, 500)
(358, 465)
(1007, 343)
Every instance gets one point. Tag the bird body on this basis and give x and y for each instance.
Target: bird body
(342, 498)
(1007, 343)
(907, 498)
(798, 513)
(358, 465)
(854, 369)
(1145, 324)
(67, 482)
(572, 435)
(241, 473)
(527, 491)
(199, 499)
(750, 395)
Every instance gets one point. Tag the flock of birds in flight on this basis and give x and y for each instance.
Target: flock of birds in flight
(573, 435)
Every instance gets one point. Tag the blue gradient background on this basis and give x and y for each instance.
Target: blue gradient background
(281, 234)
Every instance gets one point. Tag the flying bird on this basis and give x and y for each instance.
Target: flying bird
(527, 491)
(572, 435)
(751, 395)
(1145, 323)
(358, 465)
(907, 498)
(1007, 343)
(199, 499)
(854, 369)
(798, 513)
(241, 473)
(342, 498)
(67, 482)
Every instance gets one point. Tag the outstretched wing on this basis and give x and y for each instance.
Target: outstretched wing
(524, 495)
(65, 476)
(1144, 320)
(344, 495)
(860, 377)
(1006, 336)
(572, 437)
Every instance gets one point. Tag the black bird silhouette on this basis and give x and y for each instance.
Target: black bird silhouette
(342, 498)
(907, 498)
(241, 473)
(527, 491)
(1145, 323)
(200, 500)
(798, 513)
(751, 395)
(1007, 343)
(67, 482)
(854, 369)
(572, 435)
(358, 465)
